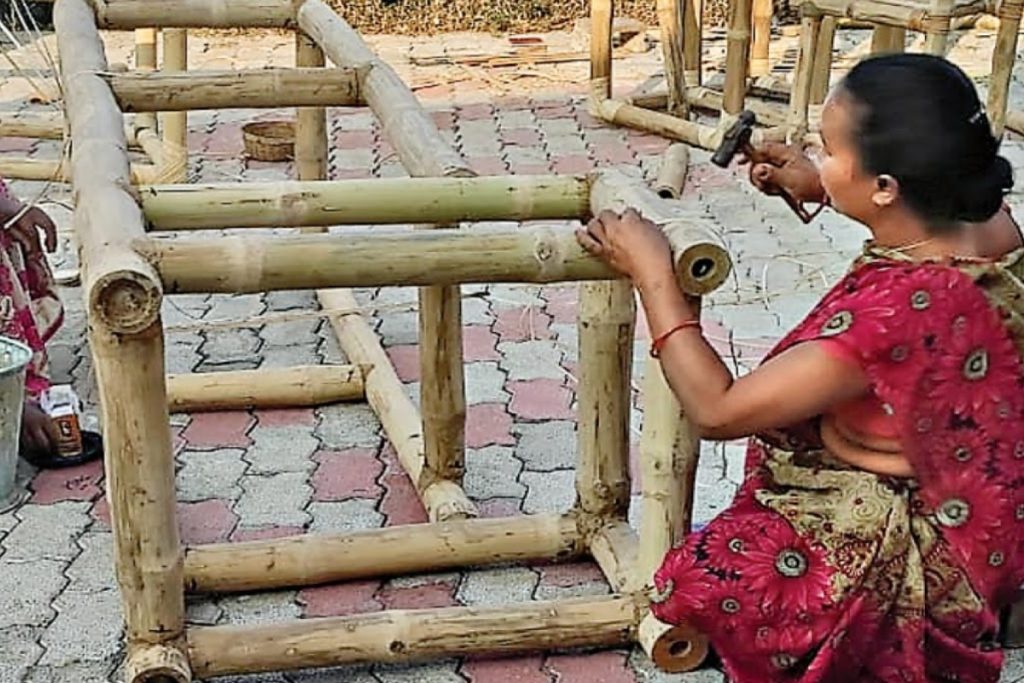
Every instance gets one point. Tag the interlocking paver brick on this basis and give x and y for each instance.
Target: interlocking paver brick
(527, 669)
(424, 596)
(524, 323)
(479, 343)
(548, 491)
(20, 645)
(260, 608)
(531, 360)
(355, 514)
(46, 532)
(87, 628)
(286, 417)
(25, 595)
(341, 475)
(596, 667)
(274, 499)
(540, 399)
(73, 672)
(73, 483)
(280, 449)
(346, 426)
(210, 474)
(492, 473)
(488, 424)
(93, 571)
(547, 446)
(436, 672)
(211, 431)
(207, 521)
(499, 586)
(485, 383)
(353, 597)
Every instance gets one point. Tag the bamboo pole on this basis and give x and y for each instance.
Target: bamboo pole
(145, 62)
(311, 121)
(306, 385)
(737, 53)
(670, 22)
(174, 124)
(822, 66)
(768, 113)
(406, 125)
(801, 98)
(156, 664)
(690, 132)
(673, 649)
(132, 14)
(692, 48)
(602, 17)
(152, 145)
(314, 559)
(250, 89)
(60, 171)
(411, 635)
(701, 263)
(937, 28)
(762, 25)
(672, 173)
(1003, 59)
(888, 40)
(46, 125)
(363, 202)
(614, 548)
(444, 500)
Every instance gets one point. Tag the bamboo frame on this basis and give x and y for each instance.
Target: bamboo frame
(174, 124)
(132, 14)
(737, 54)
(145, 62)
(761, 37)
(670, 20)
(302, 386)
(311, 121)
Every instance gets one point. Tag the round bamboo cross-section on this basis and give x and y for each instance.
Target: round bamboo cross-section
(673, 649)
(156, 664)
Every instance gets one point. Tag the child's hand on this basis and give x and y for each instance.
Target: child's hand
(630, 244)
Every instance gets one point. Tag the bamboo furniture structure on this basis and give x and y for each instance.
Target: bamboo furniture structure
(129, 266)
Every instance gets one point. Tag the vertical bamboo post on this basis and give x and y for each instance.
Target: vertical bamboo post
(310, 122)
(692, 23)
(145, 60)
(175, 124)
(888, 40)
(602, 14)
(937, 26)
(823, 60)
(670, 22)
(801, 98)
(737, 53)
(762, 21)
(607, 314)
(1003, 59)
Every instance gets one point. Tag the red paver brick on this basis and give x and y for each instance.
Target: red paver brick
(540, 399)
(512, 670)
(514, 103)
(648, 144)
(435, 92)
(354, 139)
(556, 112)
(356, 597)
(571, 164)
(499, 507)
(406, 359)
(209, 521)
(426, 596)
(74, 483)
(341, 475)
(23, 145)
(488, 424)
(226, 139)
(523, 137)
(401, 504)
(562, 303)
(475, 112)
(532, 168)
(613, 153)
(522, 324)
(479, 342)
(594, 667)
(489, 165)
(444, 120)
(571, 574)
(219, 430)
(352, 173)
(286, 417)
(265, 533)
(101, 512)
(587, 121)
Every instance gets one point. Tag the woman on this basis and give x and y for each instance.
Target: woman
(30, 311)
(878, 531)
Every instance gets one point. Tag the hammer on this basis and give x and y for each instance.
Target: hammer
(736, 140)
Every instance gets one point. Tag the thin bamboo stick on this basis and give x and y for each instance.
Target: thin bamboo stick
(762, 24)
(363, 202)
(444, 500)
(673, 649)
(692, 49)
(409, 635)
(314, 559)
(670, 22)
(406, 125)
(307, 385)
(46, 125)
(60, 170)
(122, 289)
(672, 173)
(145, 61)
(822, 66)
(249, 89)
(311, 122)
(131, 14)
(737, 52)
(1003, 59)
(614, 548)
(888, 40)
(174, 125)
(602, 17)
(801, 98)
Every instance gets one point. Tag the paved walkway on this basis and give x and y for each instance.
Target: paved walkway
(269, 473)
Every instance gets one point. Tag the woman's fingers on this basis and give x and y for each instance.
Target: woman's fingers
(587, 241)
(45, 223)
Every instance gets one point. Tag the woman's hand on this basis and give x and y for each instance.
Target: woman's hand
(630, 244)
(24, 225)
(775, 167)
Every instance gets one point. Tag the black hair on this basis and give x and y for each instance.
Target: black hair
(918, 119)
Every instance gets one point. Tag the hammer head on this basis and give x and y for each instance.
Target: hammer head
(735, 139)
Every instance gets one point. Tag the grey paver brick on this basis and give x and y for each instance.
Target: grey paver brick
(277, 499)
(498, 586)
(436, 672)
(492, 472)
(291, 333)
(235, 307)
(203, 611)
(347, 515)
(210, 474)
(548, 491)
(476, 312)
(73, 672)
(230, 346)
(281, 449)
(350, 425)
(93, 570)
(485, 383)
(290, 356)
(260, 608)
(712, 499)
(26, 591)
(290, 300)
(21, 649)
(87, 628)
(547, 446)
(527, 360)
(47, 532)
(399, 327)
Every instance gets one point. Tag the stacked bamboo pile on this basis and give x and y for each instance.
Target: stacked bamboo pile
(128, 272)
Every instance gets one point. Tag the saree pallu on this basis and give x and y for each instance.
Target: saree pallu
(819, 572)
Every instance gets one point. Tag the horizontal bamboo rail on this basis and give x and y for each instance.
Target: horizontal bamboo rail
(328, 558)
(45, 125)
(252, 89)
(60, 171)
(126, 15)
(358, 202)
(411, 635)
(301, 386)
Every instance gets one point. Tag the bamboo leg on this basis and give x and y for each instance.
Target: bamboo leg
(607, 314)
(801, 99)
(823, 60)
(937, 26)
(762, 14)
(670, 21)
(737, 52)
(145, 60)
(888, 40)
(310, 122)
(602, 15)
(1003, 58)
(692, 23)
(175, 124)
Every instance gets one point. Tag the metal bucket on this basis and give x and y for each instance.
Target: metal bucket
(14, 357)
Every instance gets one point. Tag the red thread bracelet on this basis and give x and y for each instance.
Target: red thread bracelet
(660, 341)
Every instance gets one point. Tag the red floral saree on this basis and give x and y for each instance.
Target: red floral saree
(822, 572)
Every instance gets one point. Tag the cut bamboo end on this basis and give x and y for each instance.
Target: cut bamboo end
(303, 386)
(148, 663)
(311, 560)
(673, 649)
(412, 635)
(672, 174)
